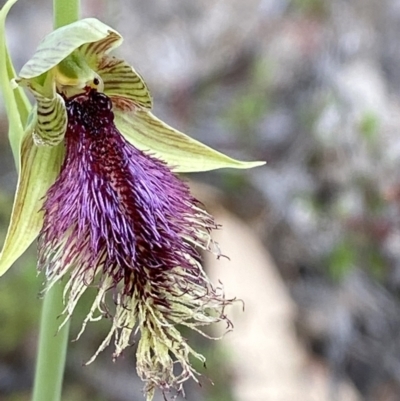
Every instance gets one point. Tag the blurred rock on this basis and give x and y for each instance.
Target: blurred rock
(269, 363)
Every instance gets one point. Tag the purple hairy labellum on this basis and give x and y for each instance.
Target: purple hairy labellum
(119, 218)
(114, 206)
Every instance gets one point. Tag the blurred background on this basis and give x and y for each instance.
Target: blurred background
(313, 88)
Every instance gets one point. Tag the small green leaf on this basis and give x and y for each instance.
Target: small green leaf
(182, 153)
(39, 168)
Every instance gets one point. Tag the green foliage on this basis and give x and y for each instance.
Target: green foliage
(20, 306)
(375, 263)
(77, 393)
(357, 251)
(311, 7)
(369, 126)
(251, 102)
(341, 260)
(220, 389)
(19, 396)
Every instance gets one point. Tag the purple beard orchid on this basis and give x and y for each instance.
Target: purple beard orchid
(98, 187)
(121, 215)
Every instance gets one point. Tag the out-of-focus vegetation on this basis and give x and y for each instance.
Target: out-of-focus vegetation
(310, 86)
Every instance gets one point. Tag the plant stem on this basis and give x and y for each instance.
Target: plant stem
(65, 12)
(52, 347)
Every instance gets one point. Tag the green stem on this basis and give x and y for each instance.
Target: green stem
(52, 347)
(65, 12)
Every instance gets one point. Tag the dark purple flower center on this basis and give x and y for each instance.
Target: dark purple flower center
(115, 207)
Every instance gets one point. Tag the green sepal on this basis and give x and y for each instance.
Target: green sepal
(39, 168)
(59, 44)
(182, 153)
(16, 102)
(24, 106)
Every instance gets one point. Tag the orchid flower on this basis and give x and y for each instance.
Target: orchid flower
(98, 187)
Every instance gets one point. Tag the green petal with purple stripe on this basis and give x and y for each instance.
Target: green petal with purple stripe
(182, 153)
(51, 120)
(123, 84)
(51, 117)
